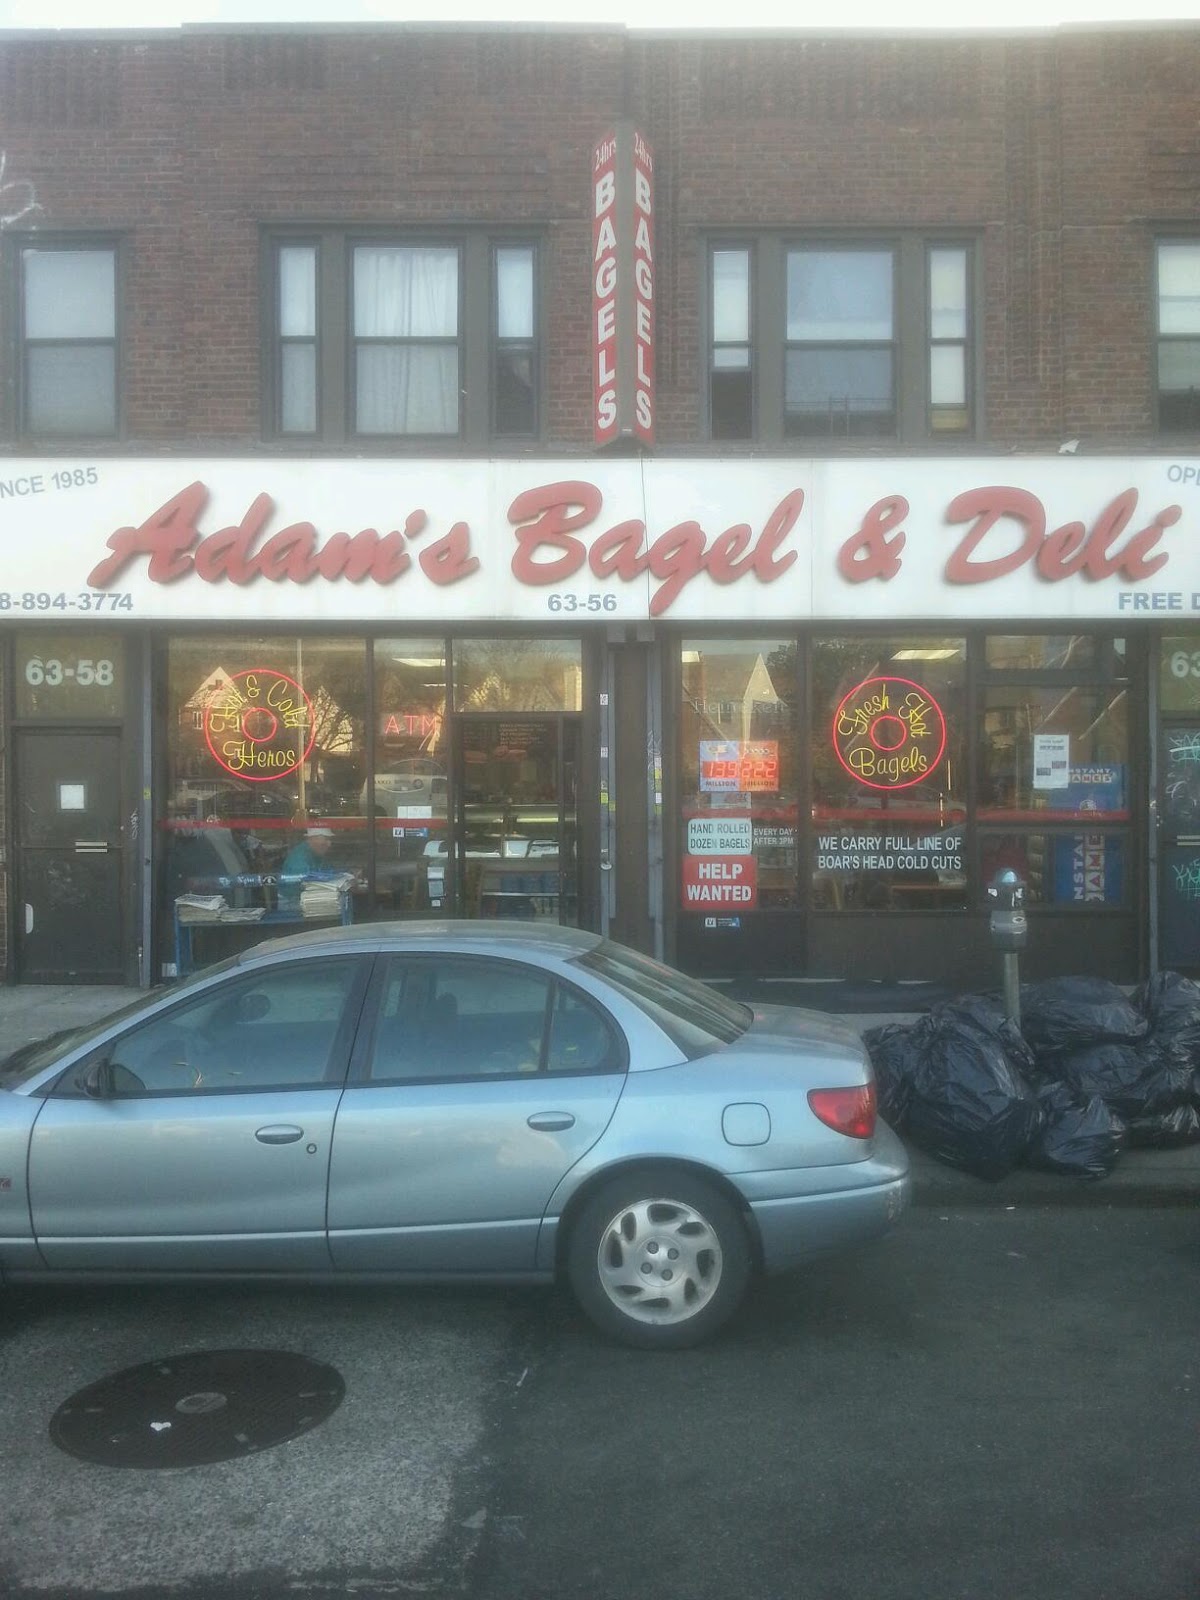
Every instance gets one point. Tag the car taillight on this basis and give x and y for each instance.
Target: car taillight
(849, 1111)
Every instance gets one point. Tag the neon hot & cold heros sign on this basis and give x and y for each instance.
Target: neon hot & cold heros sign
(259, 725)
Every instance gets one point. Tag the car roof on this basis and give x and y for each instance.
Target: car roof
(457, 933)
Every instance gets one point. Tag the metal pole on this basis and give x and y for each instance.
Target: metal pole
(1012, 987)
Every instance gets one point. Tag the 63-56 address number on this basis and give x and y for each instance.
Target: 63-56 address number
(581, 602)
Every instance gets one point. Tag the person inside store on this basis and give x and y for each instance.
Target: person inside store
(308, 857)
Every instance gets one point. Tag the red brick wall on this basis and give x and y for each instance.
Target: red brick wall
(1064, 151)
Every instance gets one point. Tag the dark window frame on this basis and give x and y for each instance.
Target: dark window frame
(280, 341)
(743, 246)
(968, 342)
(1187, 401)
(337, 343)
(911, 335)
(498, 345)
(793, 347)
(16, 246)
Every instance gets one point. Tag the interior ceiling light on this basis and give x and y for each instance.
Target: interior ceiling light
(927, 655)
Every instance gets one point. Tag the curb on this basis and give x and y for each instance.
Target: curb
(1147, 1178)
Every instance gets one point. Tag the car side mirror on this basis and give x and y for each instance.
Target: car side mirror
(97, 1081)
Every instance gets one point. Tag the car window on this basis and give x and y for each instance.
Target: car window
(472, 1018)
(34, 1057)
(581, 1040)
(696, 1017)
(276, 1029)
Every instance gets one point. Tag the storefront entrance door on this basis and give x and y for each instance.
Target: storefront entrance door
(514, 850)
(1179, 840)
(68, 846)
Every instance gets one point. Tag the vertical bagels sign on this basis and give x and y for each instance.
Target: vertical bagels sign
(623, 393)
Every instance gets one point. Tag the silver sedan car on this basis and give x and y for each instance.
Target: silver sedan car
(448, 1102)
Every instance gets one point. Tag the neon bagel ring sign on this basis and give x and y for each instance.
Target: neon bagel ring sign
(254, 726)
(882, 731)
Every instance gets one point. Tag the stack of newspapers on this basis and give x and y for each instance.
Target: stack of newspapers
(200, 907)
(213, 908)
(324, 898)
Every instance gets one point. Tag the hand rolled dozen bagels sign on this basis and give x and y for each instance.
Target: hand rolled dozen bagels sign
(622, 288)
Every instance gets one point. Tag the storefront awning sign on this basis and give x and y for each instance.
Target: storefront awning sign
(595, 540)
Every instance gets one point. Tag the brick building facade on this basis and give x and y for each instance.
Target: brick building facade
(901, 269)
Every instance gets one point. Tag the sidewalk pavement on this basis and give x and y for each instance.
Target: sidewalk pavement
(1140, 1178)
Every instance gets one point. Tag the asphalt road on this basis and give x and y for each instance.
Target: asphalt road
(990, 1403)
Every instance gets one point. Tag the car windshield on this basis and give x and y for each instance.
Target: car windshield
(27, 1060)
(694, 1016)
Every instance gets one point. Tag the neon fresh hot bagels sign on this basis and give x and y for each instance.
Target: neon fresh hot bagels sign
(889, 733)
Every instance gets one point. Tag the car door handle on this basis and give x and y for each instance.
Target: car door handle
(551, 1121)
(279, 1133)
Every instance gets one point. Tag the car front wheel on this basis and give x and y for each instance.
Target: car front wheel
(659, 1259)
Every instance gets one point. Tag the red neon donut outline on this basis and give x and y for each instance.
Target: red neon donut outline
(267, 777)
(908, 783)
(259, 738)
(873, 732)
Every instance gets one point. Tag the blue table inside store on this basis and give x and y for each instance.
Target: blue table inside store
(285, 918)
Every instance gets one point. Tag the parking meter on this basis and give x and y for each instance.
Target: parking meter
(1007, 924)
(1009, 931)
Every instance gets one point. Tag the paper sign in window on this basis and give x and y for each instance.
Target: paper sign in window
(1051, 760)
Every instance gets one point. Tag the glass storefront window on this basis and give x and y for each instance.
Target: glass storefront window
(266, 781)
(1053, 652)
(1061, 868)
(69, 674)
(1179, 674)
(739, 774)
(1057, 751)
(518, 675)
(888, 775)
(411, 771)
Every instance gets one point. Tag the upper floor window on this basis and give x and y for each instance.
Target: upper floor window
(1178, 328)
(840, 339)
(405, 339)
(839, 370)
(68, 332)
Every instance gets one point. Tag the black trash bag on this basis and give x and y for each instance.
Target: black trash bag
(1134, 1080)
(1171, 1005)
(970, 1106)
(1067, 1013)
(1166, 1130)
(895, 1051)
(1078, 1138)
(986, 1012)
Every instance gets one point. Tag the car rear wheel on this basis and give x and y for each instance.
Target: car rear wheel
(659, 1259)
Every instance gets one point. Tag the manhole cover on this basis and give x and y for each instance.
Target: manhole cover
(188, 1410)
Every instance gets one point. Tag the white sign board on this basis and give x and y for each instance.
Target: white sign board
(1051, 760)
(720, 836)
(594, 540)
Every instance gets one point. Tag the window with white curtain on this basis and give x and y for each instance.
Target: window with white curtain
(412, 338)
(406, 355)
(69, 340)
